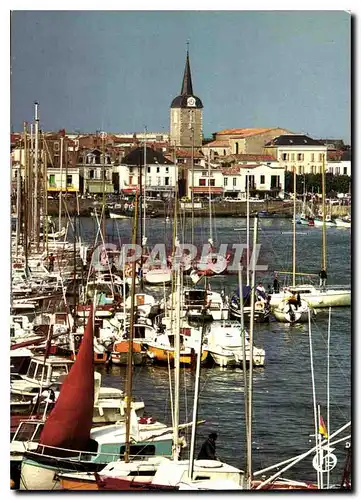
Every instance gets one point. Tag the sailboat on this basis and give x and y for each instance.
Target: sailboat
(317, 297)
(291, 309)
(68, 442)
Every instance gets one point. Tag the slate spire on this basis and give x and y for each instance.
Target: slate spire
(187, 88)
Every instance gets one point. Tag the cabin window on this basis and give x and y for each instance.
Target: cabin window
(142, 473)
(148, 449)
(25, 432)
(69, 180)
(52, 180)
(171, 340)
(31, 370)
(41, 372)
(139, 332)
(58, 372)
(36, 436)
(202, 478)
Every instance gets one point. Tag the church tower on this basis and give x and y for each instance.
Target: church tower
(186, 114)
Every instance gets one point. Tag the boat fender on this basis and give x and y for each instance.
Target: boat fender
(77, 338)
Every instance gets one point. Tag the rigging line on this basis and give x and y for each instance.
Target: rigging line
(347, 379)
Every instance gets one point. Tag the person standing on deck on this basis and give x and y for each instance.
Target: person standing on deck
(208, 448)
(51, 263)
(323, 277)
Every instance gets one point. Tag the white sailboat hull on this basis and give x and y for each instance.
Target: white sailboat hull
(317, 299)
(342, 223)
(36, 477)
(158, 277)
(112, 215)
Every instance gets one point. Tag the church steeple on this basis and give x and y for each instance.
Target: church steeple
(187, 88)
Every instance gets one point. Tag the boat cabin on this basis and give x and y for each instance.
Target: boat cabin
(48, 372)
(29, 430)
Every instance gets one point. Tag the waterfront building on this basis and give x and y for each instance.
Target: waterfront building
(297, 151)
(157, 172)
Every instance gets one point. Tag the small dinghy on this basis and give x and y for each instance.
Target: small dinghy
(290, 310)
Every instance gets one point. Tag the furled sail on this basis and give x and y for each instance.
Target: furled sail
(69, 423)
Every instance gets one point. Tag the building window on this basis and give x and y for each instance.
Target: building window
(344, 170)
(204, 174)
(330, 169)
(312, 156)
(299, 170)
(56, 146)
(337, 170)
(284, 156)
(234, 181)
(236, 148)
(158, 170)
(202, 182)
(212, 182)
(52, 180)
(148, 170)
(286, 168)
(299, 156)
(320, 157)
(130, 170)
(91, 174)
(224, 152)
(293, 157)
(275, 181)
(262, 179)
(149, 181)
(166, 181)
(225, 181)
(158, 180)
(69, 180)
(130, 179)
(167, 170)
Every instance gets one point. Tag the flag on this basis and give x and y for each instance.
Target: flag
(322, 428)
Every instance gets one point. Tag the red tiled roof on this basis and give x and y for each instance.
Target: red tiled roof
(217, 144)
(254, 157)
(187, 153)
(243, 132)
(235, 170)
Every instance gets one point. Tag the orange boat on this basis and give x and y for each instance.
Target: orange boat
(119, 354)
(162, 354)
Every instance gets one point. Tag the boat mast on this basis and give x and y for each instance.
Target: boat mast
(144, 240)
(36, 214)
(18, 205)
(61, 179)
(103, 187)
(25, 197)
(210, 200)
(247, 228)
(192, 166)
(324, 263)
(129, 377)
(177, 368)
(195, 403)
(294, 228)
(244, 365)
(250, 385)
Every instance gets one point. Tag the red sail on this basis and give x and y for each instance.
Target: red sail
(69, 423)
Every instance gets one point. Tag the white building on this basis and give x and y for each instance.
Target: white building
(298, 151)
(204, 182)
(158, 174)
(63, 180)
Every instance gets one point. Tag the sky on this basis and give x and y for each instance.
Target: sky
(118, 71)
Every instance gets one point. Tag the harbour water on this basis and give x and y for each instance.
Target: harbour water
(283, 424)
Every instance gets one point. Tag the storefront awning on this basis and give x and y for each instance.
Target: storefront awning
(207, 190)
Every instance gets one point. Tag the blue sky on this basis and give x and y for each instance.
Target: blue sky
(119, 70)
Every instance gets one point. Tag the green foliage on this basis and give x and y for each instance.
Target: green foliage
(313, 183)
